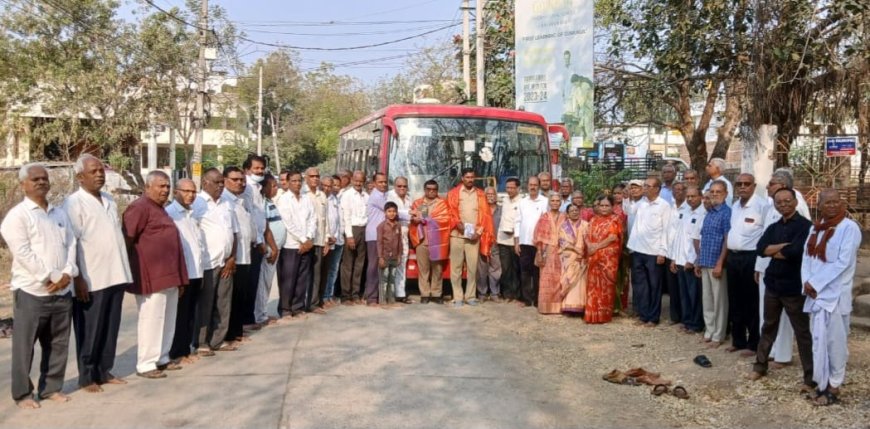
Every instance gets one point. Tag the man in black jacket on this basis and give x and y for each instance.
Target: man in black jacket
(783, 242)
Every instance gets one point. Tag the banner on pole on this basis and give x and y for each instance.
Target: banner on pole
(554, 57)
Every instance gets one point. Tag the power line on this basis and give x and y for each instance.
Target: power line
(410, 6)
(345, 34)
(346, 48)
(279, 23)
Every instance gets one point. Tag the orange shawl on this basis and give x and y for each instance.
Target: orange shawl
(437, 220)
(484, 217)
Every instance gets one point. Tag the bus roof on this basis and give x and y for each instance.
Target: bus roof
(448, 110)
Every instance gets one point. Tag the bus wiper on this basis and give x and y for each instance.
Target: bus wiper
(446, 169)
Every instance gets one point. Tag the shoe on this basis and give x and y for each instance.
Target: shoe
(457, 304)
(171, 366)
(754, 375)
(474, 303)
(437, 300)
(424, 300)
(495, 299)
(153, 374)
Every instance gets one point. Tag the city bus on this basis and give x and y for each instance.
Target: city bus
(436, 141)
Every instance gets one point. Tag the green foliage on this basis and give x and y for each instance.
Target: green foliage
(597, 180)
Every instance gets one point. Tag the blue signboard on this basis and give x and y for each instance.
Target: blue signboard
(840, 146)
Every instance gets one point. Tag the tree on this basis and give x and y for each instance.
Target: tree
(498, 54)
(434, 65)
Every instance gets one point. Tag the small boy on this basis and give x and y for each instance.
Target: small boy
(389, 252)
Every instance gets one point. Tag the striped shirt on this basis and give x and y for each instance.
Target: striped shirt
(273, 218)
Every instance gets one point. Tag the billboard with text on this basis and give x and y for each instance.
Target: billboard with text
(554, 75)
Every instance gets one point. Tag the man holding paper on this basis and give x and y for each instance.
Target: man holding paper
(470, 238)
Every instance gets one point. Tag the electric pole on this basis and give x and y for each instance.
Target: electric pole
(466, 49)
(481, 96)
(260, 115)
(199, 123)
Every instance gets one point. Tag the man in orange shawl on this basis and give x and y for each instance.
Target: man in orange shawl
(471, 236)
(430, 237)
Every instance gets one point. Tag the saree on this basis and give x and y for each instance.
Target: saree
(603, 268)
(547, 238)
(622, 277)
(574, 265)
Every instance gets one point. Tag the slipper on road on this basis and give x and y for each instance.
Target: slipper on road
(702, 361)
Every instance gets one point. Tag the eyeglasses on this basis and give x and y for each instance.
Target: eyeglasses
(314, 175)
(401, 186)
(743, 184)
(432, 189)
(187, 191)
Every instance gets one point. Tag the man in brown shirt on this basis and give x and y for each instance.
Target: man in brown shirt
(470, 238)
(159, 270)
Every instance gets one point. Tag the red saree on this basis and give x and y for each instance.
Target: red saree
(603, 266)
(550, 288)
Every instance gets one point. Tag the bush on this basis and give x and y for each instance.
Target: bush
(598, 180)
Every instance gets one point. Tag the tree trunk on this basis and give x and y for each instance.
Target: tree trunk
(735, 95)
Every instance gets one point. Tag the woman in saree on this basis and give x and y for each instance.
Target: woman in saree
(604, 247)
(546, 239)
(572, 252)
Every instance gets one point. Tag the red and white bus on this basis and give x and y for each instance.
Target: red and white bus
(436, 141)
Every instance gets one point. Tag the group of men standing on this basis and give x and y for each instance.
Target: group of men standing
(748, 264)
(202, 267)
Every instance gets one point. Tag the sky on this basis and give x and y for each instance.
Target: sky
(339, 24)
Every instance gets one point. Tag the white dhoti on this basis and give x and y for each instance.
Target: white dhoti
(156, 328)
(264, 289)
(403, 265)
(781, 351)
(830, 351)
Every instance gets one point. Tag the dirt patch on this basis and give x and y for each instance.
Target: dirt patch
(719, 396)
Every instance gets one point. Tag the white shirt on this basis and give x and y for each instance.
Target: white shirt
(192, 240)
(333, 215)
(298, 216)
(771, 217)
(404, 209)
(247, 230)
(507, 225)
(832, 280)
(688, 223)
(42, 244)
(649, 231)
(528, 212)
(102, 252)
(257, 205)
(677, 238)
(747, 224)
(219, 228)
(319, 204)
(353, 209)
(729, 199)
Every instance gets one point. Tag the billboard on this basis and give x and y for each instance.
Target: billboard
(554, 64)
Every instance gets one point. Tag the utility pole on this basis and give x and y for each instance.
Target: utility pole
(260, 115)
(466, 49)
(199, 124)
(481, 95)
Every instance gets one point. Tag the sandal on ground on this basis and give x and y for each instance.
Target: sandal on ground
(638, 372)
(204, 353)
(227, 347)
(680, 392)
(153, 374)
(659, 389)
(823, 399)
(702, 361)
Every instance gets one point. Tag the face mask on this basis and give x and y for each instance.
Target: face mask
(255, 178)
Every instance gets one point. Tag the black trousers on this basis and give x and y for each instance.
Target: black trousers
(317, 285)
(95, 325)
(800, 322)
(45, 319)
(529, 275)
(241, 290)
(253, 283)
(692, 308)
(743, 299)
(352, 263)
(672, 284)
(646, 287)
(185, 320)
(295, 277)
(510, 275)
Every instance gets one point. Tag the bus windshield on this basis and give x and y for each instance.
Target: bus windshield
(439, 148)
